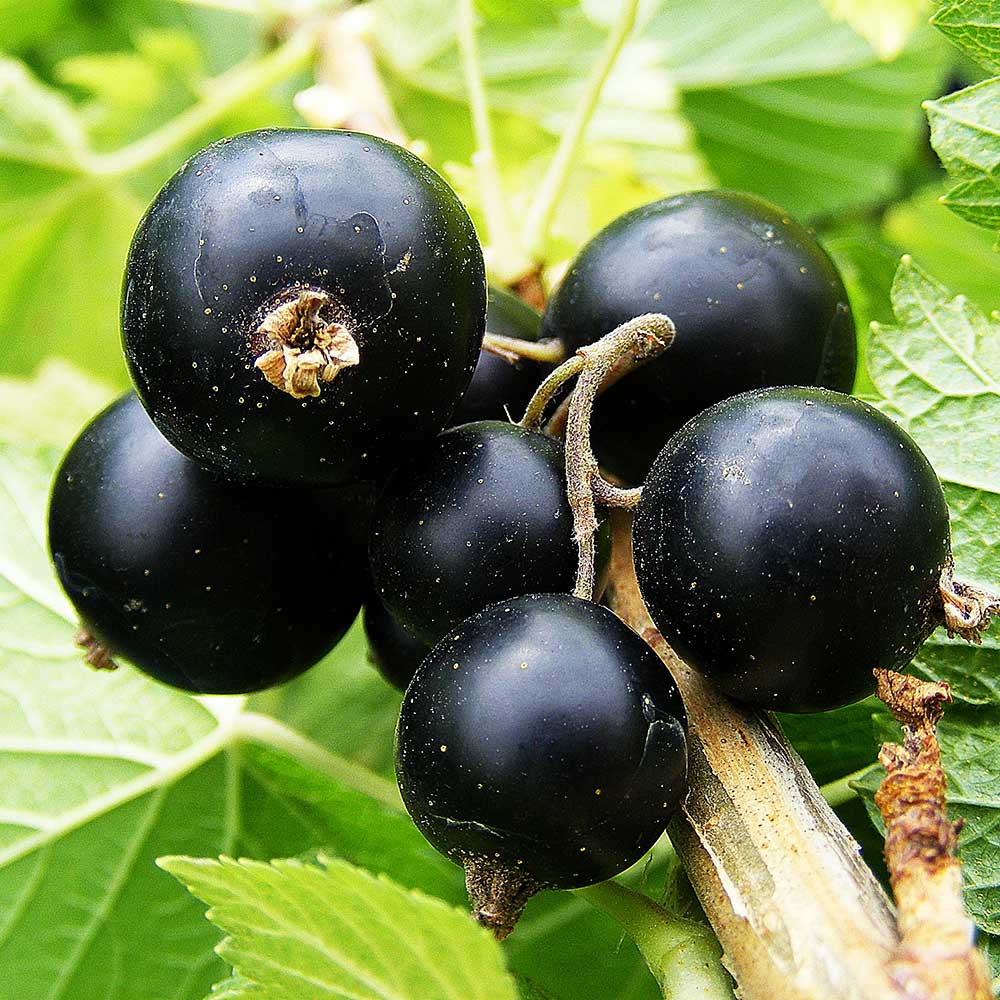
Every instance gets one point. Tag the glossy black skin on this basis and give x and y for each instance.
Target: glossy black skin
(193, 579)
(345, 213)
(555, 747)
(479, 516)
(788, 542)
(500, 389)
(746, 315)
(391, 649)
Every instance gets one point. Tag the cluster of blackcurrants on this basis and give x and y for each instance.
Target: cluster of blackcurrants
(303, 312)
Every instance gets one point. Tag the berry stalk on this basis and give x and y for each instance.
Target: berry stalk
(799, 914)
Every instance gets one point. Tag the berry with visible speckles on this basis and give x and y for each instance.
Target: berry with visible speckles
(756, 301)
(479, 516)
(303, 306)
(208, 585)
(541, 744)
(789, 541)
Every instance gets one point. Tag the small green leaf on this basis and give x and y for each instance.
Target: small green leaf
(974, 26)
(335, 932)
(965, 133)
(938, 370)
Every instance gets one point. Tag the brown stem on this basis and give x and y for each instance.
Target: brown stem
(641, 338)
(799, 914)
(512, 349)
(967, 609)
(936, 958)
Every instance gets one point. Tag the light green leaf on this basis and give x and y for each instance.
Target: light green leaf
(974, 26)
(819, 126)
(67, 212)
(100, 773)
(956, 254)
(886, 26)
(235, 988)
(37, 124)
(312, 932)
(23, 22)
(938, 370)
(965, 133)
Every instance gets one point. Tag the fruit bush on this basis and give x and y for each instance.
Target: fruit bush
(131, 810)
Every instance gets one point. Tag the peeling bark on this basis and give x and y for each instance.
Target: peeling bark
(936, 958)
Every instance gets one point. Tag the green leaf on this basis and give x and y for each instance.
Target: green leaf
(965, 133)
(957, 255)
(938, 370)
(867, 266)
(835, 743)
(68, 211)
(885, 26)
(361, 722)
(308, 932)
(816, 123)
(235, 988)
(974, 26)
(638, 144)
(970, 752)
(22, 22)
(100, 773)
(525, 13)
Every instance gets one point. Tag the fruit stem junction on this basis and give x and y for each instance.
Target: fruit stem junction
(634, 342)
(302, 346)
(498, 895)
(967, 609)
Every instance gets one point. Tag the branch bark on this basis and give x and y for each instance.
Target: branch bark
(936, 958)
(800, 916)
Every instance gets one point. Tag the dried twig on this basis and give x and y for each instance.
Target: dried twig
(936, 958)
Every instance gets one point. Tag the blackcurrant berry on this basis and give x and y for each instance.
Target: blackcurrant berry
(541, 744)
(208, 585)
(500, 389)
(756, 301)
(480, 516)
(290, 297)
(790, 540)
(392, 650)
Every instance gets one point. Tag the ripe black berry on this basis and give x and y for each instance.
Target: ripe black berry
(541, 744)
(790, 540)
(480, 516)
(755, 299)
(291, 295)
(392, 650)
(500, 389)
(204, 584)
